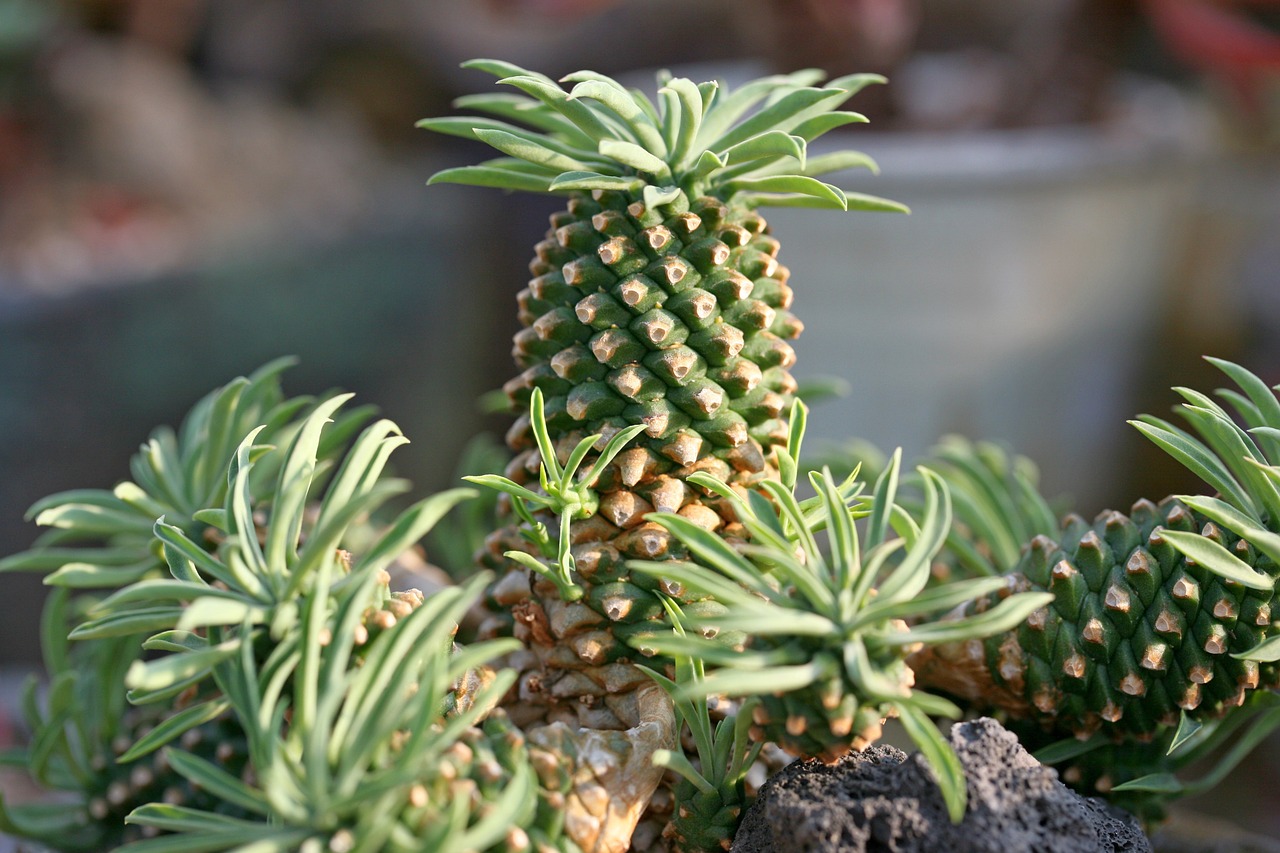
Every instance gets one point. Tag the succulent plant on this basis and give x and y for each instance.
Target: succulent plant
(1161, 627)
(663, 603)
(658, 306)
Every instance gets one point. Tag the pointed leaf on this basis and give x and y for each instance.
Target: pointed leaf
(531, 150)
(1005, 616)
(941, 757)
(494, 176)
(790, 184)
(595, 181)
(1218, 560)
(173, 727)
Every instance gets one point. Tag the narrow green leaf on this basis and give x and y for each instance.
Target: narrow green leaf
(207, 611)
(528, 111)
(1069, 748)
(886, 492)
(411, 526)
(175, 641)
(873, 203)
(1005, 616)
(531, 150)
(160, 589)
(797, 422)
(635, 157)
(1218, 559)
(689, 100)
(769, 145)
(932, 600)
(175, 726)
(293, 486)
(712, 550)
(911, 576)
(177, 546)
(218, 782)
(778, 679)
(149, 676)
(1262, 396)
(785, 113)
(790, 184)
(595, 181)
(812, 128)
(728, 106)
(941, 757)
(1153, 783)
(44, 559)
(1267, 651)
(1187, 729)
(1196, 458)
(141, 621)
(763, 199)
(95, 520)
(90, 576)
(502, 484)
(1234, 447)
(770, 620)
(1237, 522)
(678, 763)
(493, 176)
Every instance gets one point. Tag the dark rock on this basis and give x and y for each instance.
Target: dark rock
(884, 800)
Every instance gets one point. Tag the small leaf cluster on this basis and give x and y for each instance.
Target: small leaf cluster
(827, 622)
(749, 144)
(1242, 464)
(564, 492)
(101, 538)
(364, 727)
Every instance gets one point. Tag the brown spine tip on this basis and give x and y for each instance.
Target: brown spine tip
(684, 448)
(1132, 685)
(1038, 618)
(1167, 623)
(1224, 609)
(1074, 666)
(1046, 700)
(1250, 676)
(1155, 657)
(1117, 599)
(1094, 632)
(1185, 589)
(1190, 698)
(1139, 564)
(1111, 712)
(1063, 571)
(1200, 674)
(796, 725)
(1216, 642)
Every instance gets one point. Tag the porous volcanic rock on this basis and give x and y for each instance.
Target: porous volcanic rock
(884, 800)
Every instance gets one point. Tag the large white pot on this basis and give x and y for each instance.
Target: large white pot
(1018, 299)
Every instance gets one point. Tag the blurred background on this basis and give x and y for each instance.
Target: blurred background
(189, 188)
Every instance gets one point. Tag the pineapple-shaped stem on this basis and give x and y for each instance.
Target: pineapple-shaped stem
(1161, 616)
(657, 300)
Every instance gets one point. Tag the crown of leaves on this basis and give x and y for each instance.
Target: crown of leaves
(749, 144)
